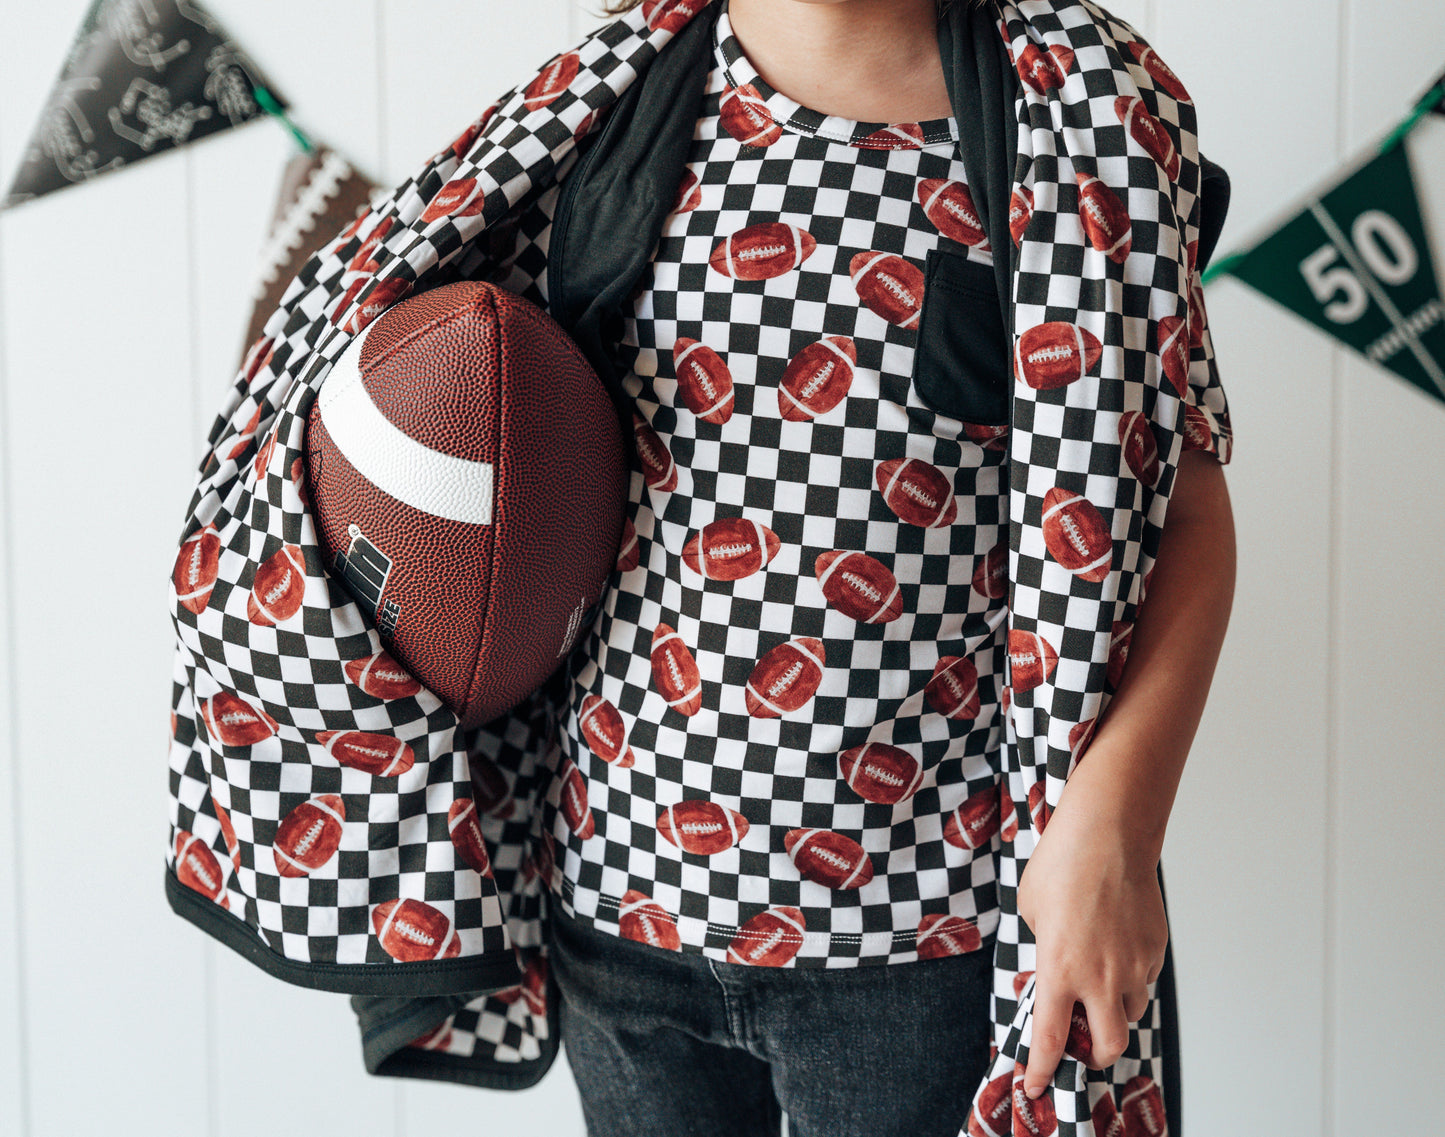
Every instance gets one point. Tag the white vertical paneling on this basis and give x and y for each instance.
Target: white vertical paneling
(551, 1108)
(290, 1061)
(96, 355)
(45, 33)
(97, 361)
(1390, 907)
(446, 60)
(14, 1087)
(321, 55)
(1246, 856)
(1136, 13)
(585, 18)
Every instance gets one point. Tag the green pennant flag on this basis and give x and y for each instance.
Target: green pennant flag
(1356, 260)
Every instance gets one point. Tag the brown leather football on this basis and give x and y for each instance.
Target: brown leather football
(468, 480)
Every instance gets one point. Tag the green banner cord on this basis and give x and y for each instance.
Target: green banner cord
(1218, 268)
(1428, 102)
(268, 103)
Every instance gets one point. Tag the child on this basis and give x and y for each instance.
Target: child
(877, 594)
(735, 703)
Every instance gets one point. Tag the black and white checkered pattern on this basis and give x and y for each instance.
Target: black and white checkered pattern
(1069, 437)
(1066, 436)
(396, 841)
(812, 483)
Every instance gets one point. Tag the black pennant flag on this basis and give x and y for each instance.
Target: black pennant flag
(142, 77)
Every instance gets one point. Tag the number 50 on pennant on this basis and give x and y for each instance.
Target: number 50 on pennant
(1356, 261)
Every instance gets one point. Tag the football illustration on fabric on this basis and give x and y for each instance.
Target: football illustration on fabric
(769, 939)
(643, 919)
(309, 835)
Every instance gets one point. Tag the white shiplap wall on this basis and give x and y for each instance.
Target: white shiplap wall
(1307, 910)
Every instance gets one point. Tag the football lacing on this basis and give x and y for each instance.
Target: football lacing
(1152, 1121)
(308, 838)
(193, 572)
(759, 251)
(860, 584)
(918, 494)
(1051, 354)
(950, 680)
(962, 214)
(1043, 63)
(238, 718)
(552, 73)
(673, 670)
(1096, 211)
(830, 858)
(703, 378)
(725, 552)
(887, 777)
(767, 945)
(202, 873)
(368, 751)
(413, 933)
(895, 286)
(1003, 1110)
(751, 110)
(1073, 535)
(820, 377)
(785, 680)
(980, 822)
(595, 729)
(1023, 658)
(700, 828)
(274, 594)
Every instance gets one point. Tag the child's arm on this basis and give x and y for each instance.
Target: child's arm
(1093, 904)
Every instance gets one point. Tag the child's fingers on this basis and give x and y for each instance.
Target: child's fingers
(1053, 1008)
(1108, 1028)
(1135, 1004)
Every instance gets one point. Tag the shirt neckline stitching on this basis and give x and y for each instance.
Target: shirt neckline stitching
(796, 120)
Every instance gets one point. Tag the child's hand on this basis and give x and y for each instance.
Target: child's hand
(1099, 924)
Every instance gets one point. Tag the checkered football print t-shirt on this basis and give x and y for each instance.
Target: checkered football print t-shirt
(783, 737)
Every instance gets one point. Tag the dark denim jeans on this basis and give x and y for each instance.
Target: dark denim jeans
(671, 1044)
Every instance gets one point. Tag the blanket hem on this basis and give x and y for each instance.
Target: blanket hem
(444, 977)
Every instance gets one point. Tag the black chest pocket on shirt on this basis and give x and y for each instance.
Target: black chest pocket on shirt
(960, 362)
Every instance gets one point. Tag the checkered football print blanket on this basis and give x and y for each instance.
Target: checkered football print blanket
(1105, 216)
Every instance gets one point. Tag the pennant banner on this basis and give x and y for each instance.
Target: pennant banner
(1438, 88)
(1357, 261)
(320, 194)
(142, 77)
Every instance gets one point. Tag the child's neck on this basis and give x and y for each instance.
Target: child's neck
(866, 60)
